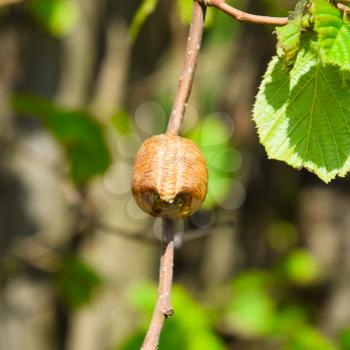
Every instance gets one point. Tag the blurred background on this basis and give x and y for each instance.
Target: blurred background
(264, 265)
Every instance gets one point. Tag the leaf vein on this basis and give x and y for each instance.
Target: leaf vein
(332, 132)
(280, 114)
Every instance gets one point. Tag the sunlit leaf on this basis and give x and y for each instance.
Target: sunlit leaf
(77, 132)
(303, 116)
(333, 30)
(289, 35)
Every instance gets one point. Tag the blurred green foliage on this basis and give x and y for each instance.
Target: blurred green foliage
(308, 338)
(214, 139)
(288, 320)
(278, 8)
(76, 281)
(143, 12)
(121, 122)
(191, 328)
(80, 135)
(300, 267)
(344, 339)
(222, 30)
(58, 16)
(185, 10)
(260, 305)
(251, 311)
(257, 306)
(281, 235)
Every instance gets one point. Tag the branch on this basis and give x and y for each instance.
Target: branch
(163, 308)
(343, 8)
(244, 16)
(248, 17)
(189, 67)
(9, 2)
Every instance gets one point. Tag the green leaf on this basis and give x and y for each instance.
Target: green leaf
(288, 38)
(289, 35)
(333, 31)
(303, 116)
(78, 133)
(58, 16)
(76, 281)
(143, 12)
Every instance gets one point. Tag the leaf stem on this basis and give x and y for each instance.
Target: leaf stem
(244, 16)
(249, 17)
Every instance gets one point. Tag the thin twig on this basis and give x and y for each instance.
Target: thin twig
(249, 17)
(163, 308)
(9, 2)
(244, 16)
(344, 8)
(186, 78)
